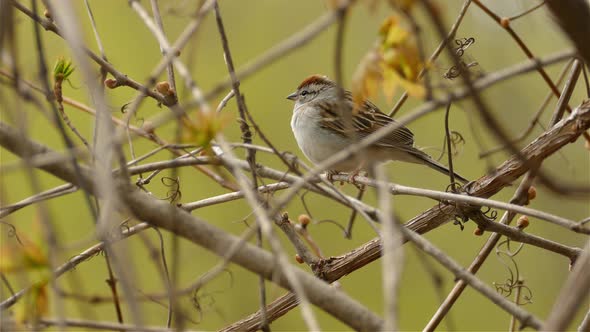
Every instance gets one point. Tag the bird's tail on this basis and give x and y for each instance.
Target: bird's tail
(427, 160)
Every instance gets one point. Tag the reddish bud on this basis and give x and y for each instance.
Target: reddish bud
(505, 22)
(532, 193)
(478, 232)
(304, 219)
(298, 259)
(110, 83)
(163, 87)
(522, 222)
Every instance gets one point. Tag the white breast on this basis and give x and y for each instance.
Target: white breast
(316, 143)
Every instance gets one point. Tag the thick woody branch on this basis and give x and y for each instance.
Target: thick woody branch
(520, 197)
(467, 202)
(161, 214)
(564, 132)
(516, 234)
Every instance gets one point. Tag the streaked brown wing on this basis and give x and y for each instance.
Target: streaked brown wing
(365, 122)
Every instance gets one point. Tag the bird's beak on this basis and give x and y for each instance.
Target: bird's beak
(292, 96)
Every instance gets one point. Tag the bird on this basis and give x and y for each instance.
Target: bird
(326, 120)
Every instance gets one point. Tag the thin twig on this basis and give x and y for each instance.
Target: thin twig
(530, 55)
(585, 325)
(101, 325)
(572, 295)
(162, 214)
(160, 25)
(567, 92)
(435, 54)
(75, 261)
(247, 139)
(393, 255)
(512, 326)
(491, 121)
(45, 195)
(348, 229)
(121, 78)
(434, 217)
(525, 318)
(520, 197)
(265, 224)
(449, 147)
(534, 120)
(290, 44)
(526, 12)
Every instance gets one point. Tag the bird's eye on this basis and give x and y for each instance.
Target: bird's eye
(304, 93)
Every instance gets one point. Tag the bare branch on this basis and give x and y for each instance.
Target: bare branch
(520, 197)
(574, 18)
(163, 215)
(96, 325)
(337, 267)
(572, 295)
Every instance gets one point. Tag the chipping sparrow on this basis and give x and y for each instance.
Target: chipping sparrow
(320, 130)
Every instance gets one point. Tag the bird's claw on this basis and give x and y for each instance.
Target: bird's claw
(352, 176)
(330, 175)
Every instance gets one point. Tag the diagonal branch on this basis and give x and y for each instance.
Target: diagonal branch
(161, 214)
(563, 133)
(572, 295)
(574, 18)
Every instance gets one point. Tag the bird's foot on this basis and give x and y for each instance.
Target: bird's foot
(330, 175)
(352, 179)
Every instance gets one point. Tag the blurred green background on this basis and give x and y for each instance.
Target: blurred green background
(253, 27)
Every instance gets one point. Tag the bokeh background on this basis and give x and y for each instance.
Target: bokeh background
(253, 27)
